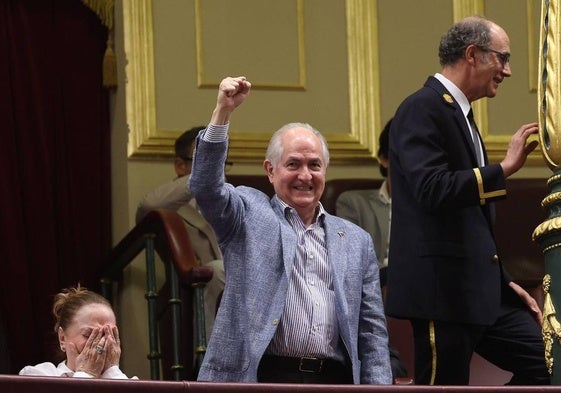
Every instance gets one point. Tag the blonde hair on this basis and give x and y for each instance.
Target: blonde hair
(67, 303)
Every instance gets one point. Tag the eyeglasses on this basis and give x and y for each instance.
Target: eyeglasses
(504, 57)
(186, 159)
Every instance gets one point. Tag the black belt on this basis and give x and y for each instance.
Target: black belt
(303, 364)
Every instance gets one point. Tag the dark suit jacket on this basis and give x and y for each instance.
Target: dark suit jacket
(444, 263)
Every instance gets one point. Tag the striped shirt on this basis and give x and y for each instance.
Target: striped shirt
(308, 326)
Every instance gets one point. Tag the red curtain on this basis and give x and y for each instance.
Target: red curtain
(55, 222)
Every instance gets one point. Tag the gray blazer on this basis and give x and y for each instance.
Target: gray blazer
(259, 247)
(365, 209)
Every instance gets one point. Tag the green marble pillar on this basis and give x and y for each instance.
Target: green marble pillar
(548, 236)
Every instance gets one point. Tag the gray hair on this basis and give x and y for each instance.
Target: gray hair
(471, 30)
(275, 148)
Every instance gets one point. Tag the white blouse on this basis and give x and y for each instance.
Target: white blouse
(48, 369)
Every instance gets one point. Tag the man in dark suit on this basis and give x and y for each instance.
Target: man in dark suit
(445, 275)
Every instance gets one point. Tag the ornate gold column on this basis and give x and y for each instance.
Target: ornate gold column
(548, 233)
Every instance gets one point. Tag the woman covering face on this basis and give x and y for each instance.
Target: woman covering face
(87, 334)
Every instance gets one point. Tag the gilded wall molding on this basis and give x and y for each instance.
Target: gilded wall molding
(364, 77)
(463, 8)
(358, 145)
(204, 81)
(139, 71)
(532, 48)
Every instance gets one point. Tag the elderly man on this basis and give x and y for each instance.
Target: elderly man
(302, 300)
(445, 275)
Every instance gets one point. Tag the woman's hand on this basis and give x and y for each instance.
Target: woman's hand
(112, 346)
(93, 356)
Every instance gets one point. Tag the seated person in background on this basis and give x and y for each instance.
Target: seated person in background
(175, 195)
(371, 210)
(302, 301)
(87, 334)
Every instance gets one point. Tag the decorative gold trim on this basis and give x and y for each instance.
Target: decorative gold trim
(553, 224)
(550, 199)
(551, 328)
(432, 337)
(479, 184)
(553, 179)
(532, 48)
(358, 145)
(482, 194)
(140, 95)
(364, 75)
(551, 247)
(463, 8)
(259, 85)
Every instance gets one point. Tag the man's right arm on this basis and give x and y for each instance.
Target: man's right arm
(207, 180)
(231, 93)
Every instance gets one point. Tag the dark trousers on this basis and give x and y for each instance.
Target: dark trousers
(280, 369)
(514, 343)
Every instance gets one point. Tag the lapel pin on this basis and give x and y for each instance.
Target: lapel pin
(448, 98)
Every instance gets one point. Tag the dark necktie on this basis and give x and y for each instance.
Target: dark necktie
(475, 138)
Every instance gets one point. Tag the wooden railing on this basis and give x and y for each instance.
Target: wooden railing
(163, 232)
(24, 384)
